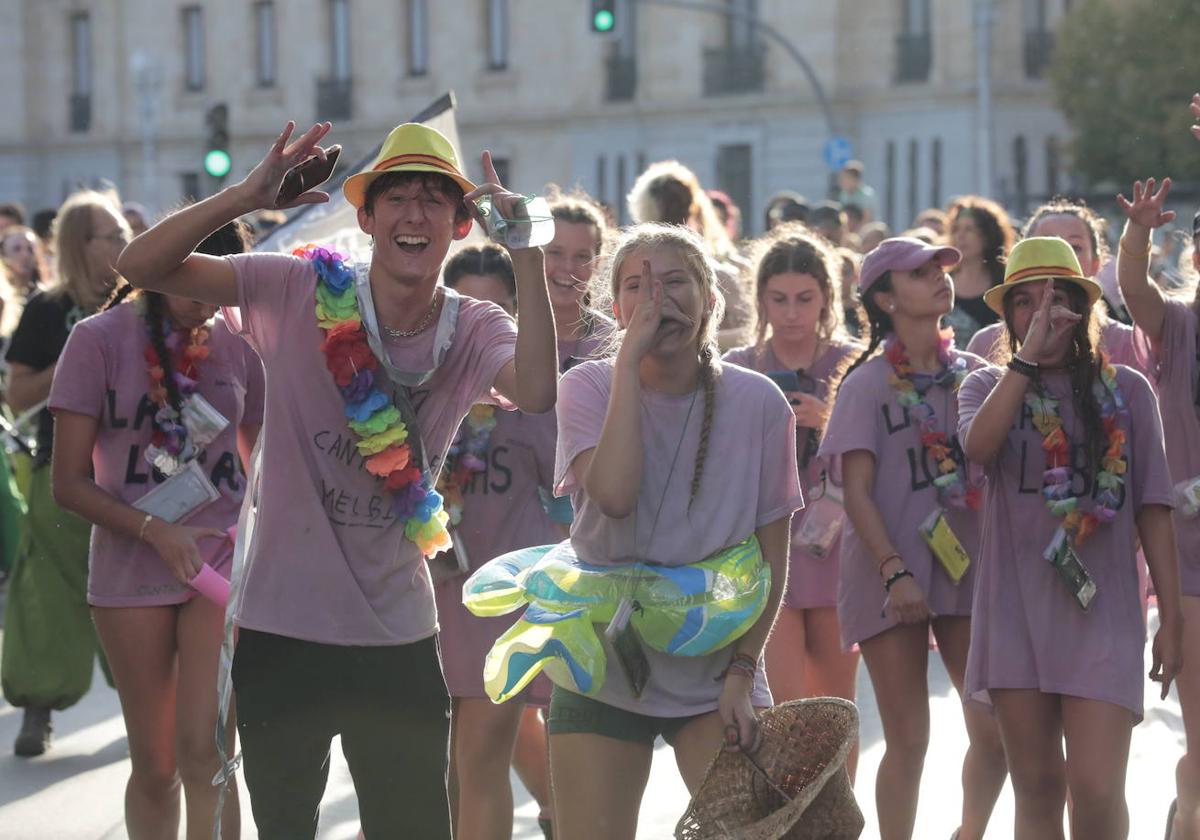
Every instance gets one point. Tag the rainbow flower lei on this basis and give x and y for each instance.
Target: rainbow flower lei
(466, 457)
(170, 446)
(371, 415)
(1056, 480)
(951, 488)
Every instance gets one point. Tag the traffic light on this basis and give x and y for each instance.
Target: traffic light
(217, 161)
(604, 16)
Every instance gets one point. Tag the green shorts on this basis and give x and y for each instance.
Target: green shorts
(574, 714)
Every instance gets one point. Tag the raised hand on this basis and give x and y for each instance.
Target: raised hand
(1146, 209)
(1196, 115)
(508, 204)
(1047, 324)
(642, 329)
(261, 186)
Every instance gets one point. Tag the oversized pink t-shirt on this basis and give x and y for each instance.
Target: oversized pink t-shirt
(328, 560)
(866, 415)
(1116, 338)
(750, 480)
(502, 512)
(1176, 370)
(102, 373)
(1027, 630)
(812, 581)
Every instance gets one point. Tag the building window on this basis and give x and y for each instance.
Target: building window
(193, 48)
(935, 173)
(621, 203)
(1053, 164)
(418, 37)
(264, 30)
(1039, 38)
(1020, 154)
(189, 183)
(497, 34)
(735, 172)
(339, 40)
(913, 179)
(889, 182)
(503, 168)
(741, 34)
(914, 44)
(80, 100)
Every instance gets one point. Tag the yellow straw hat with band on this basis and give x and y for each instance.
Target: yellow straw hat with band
(1040, 258)
(411, 147)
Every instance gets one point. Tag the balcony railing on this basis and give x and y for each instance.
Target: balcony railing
(80, 111)
(1039, 50)
(728, 71)
(622, 78)
(335, 99)
(914, 55)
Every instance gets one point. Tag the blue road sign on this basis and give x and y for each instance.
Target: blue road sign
(837, 151)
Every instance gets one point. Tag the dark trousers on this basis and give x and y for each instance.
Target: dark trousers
(391, 708)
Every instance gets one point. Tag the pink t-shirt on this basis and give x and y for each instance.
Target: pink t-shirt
(1026, 629)
(502, 512)
(102, 373)
(750, 480)
(328, 561)
(1176, 370)
(866, 415)
(1116, 338)
(812, 581)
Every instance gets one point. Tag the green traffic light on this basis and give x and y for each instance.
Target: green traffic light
(217, 163)
(603, 21)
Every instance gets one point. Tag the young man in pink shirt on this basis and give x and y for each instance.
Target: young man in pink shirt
(370, 368)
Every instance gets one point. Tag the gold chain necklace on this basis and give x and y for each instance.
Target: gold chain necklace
(419, 328)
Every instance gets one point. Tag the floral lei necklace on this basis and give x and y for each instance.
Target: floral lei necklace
(1056, 480)
(466, 457)
(170, 446)
(951, 488)
(372, 417)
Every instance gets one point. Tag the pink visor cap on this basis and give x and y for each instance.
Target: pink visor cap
(902, 253)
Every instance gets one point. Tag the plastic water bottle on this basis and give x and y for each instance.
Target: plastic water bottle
(533, 228)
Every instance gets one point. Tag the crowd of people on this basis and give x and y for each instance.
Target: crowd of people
(959, 437)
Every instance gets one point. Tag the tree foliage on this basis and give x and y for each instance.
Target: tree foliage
(1123, 74)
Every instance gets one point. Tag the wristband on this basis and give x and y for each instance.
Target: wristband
(883, 561)
(145, 524)
(1135, 254)
(740, 663)
(903, 573)
(1026, 369)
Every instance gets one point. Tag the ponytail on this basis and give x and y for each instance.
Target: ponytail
(880, 324)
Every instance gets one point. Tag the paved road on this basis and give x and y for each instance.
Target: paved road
(75, 791)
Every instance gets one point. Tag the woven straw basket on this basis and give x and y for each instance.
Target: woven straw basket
(803, 756)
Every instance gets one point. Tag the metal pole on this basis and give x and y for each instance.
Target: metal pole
(766, 29)
(984, 149)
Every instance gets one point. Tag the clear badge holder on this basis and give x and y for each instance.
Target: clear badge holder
(945, 546)
(1187, 497)
(626, 645)
(203, 422)
(533, 227)
(822, 525)
(1070, 568)
(180, 495)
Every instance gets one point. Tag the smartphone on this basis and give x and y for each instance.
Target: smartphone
(786, 380)
(306, 176)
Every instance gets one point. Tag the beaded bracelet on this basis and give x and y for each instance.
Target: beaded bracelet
(740, 663)
(895, 555)
(1027, 369)
(145, 523)
(903, 573)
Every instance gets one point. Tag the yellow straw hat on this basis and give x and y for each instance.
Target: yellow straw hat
(411, 147)
(1040, 258)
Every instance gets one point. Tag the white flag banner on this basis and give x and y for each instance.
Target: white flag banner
(335, 224)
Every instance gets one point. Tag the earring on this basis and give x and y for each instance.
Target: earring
(891, 307)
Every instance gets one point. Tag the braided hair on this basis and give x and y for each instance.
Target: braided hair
(878, 321)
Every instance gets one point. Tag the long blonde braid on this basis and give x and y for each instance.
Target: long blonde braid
(708, 379)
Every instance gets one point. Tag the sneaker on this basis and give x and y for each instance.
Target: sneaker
(34, 737)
